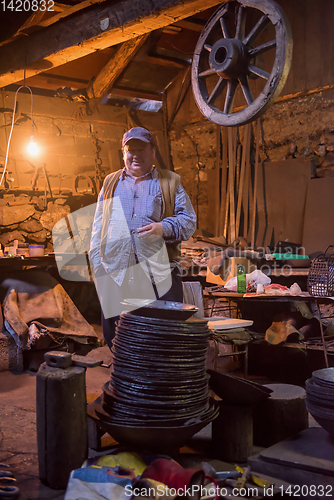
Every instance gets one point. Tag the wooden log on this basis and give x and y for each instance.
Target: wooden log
(95, 434)
(232, 433)
(280, 416)
(61, 423)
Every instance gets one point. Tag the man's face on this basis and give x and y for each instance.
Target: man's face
(138, 157)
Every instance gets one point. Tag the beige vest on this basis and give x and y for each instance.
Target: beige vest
(168, 183)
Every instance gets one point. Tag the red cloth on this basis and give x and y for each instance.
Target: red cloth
(173, 474)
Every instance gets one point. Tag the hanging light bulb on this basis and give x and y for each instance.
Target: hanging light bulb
(33, 149)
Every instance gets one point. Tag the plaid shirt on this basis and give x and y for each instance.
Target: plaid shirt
(137, 202)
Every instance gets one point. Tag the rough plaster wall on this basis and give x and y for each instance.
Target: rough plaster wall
(194, 156)
(300, 127)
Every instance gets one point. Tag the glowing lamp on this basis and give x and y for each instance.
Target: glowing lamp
(33, 149)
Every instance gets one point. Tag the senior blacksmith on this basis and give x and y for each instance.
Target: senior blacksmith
(142, 215)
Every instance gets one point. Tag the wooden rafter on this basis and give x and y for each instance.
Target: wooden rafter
(101, 26)
(114, 67)
(193, 25)
(163, 61)
(67, 11)
(135, 93)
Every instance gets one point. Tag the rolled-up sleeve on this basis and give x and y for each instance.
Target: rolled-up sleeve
(181, 226)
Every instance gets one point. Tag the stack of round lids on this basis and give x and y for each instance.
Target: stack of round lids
(159, 377)
(320, 398)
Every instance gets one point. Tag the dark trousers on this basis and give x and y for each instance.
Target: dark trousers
(175, 293)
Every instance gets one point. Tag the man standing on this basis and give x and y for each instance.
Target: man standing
(143, 213)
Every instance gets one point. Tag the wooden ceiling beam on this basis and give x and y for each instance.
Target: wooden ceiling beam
(163, 61)
(191, 25)
(67, 11)
(95, 28)
(134, 94)
(114, 67)
(51, 81)
(35, 20)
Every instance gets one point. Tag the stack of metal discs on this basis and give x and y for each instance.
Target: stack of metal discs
(320, 397)
(159, 377)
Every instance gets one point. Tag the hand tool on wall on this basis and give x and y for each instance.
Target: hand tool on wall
(256, 175)
(245, 155)
(34, 181)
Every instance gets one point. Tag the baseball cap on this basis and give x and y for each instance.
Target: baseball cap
(139, 133)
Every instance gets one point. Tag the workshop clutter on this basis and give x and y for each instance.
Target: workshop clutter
(256, 277)
(37, 291)
(320, 282)
(125, 473)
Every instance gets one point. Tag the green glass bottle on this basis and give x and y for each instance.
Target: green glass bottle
(241, 279)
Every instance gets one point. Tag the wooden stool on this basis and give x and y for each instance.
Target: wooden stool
(232, 433)
(280, 416)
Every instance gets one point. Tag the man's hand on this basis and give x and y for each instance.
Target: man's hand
(153, 228)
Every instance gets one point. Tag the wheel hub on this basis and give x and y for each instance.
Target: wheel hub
(228, 58)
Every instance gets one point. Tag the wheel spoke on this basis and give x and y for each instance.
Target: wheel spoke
(259, 72)
(221, 84)
(262, 48)
(224, 28)
(246, 89)
(241, 20)
(231, 88)
(208, 47)
(207, 72)
(255, 32)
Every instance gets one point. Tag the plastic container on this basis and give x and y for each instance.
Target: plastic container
(22, 251)
(241, 279)
(36, 250)
(10, 250)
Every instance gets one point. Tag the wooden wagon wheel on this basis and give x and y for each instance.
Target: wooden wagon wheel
(242, 57)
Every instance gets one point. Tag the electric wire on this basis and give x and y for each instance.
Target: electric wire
(12, 126)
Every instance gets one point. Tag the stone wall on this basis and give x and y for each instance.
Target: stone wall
(26, 219)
